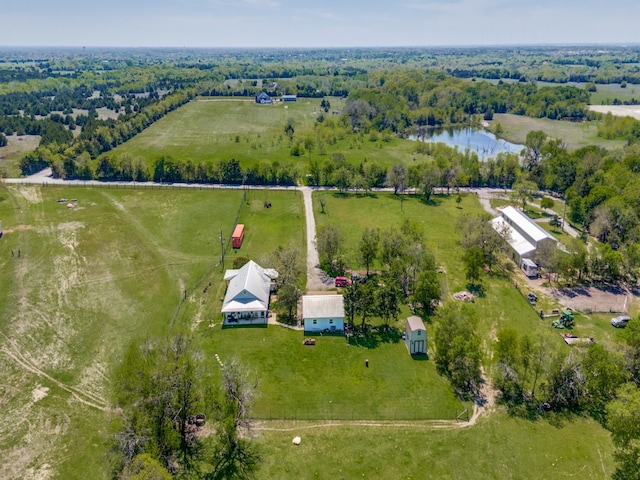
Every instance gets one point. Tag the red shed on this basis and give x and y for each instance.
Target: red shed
(238, 236)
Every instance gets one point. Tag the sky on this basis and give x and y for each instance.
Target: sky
(319, 23)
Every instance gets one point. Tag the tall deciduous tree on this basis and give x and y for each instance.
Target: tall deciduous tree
(523, 192)
(235, 457)
(387, 299)
(458, 352)
(474, 262)
(329, 242)
(369, 246)
(427, 292)
(396, 178)
(532, 153)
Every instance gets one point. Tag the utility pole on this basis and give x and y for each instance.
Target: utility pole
(222, 249)
(564, 214)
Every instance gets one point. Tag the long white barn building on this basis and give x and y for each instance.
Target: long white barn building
(524, 237)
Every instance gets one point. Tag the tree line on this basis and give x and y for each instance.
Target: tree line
(99, 136)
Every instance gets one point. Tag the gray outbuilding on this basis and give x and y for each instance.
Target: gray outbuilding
(416, 336)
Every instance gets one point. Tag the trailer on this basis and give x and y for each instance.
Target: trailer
(238, 236)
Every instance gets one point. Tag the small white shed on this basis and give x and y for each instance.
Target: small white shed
(416, 336)
(323, 313)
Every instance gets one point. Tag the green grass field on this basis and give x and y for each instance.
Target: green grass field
(208, 129)
(499, 447)
(574, 135)
(15, 149)
(93, 278)
(88, 281)
(214, 129)
(329, 381)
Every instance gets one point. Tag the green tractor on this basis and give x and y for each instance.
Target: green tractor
(566, 320)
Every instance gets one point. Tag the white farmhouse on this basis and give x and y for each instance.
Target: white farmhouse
(323, 313)
(523, 235)
(247, 299)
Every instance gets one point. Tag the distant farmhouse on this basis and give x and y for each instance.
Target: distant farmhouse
(524, 237)
(289, 98)
(263, 99)
(247, 299)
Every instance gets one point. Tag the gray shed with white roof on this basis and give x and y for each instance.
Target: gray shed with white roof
(416, 336)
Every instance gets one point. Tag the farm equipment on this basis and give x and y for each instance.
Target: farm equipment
(566, 320)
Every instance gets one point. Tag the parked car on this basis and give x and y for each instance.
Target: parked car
(621, 321)
(357, 277)
(342, 281)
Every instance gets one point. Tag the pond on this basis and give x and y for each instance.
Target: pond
(484, 143)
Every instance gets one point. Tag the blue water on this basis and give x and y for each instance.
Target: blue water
(484, 143)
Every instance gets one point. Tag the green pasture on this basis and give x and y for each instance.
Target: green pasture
(605, 94)
(499, 447)
(89, 280)
(219, 128)
(15, 149)
(574, 135)
(224, 128)
(92, 278)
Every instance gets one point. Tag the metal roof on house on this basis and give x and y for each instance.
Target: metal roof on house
(323, 306)
(526, 226)
(415, 323)
(248, 289)
(521, 245)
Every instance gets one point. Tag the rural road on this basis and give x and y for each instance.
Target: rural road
(314, 273)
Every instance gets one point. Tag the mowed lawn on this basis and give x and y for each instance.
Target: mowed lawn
(574, 135)
(330, 381)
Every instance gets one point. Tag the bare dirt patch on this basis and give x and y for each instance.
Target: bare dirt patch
(618, 110)
(606, 299)
(39, 393)
(31, 194)
(18, 227)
